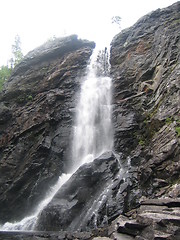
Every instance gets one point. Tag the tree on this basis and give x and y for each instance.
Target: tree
(102, 63)
(116, 20)
(5, 71)
(16, 51)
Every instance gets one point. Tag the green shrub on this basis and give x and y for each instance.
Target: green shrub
(142, 142)
(169, 120)
(5, 73)
(30, 98)
(178, 131)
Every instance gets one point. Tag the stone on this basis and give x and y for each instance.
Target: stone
(174, 191)
(85, 193)
(169, 202)
(120, 236)
(130, 227)
(45, 235)
(101, 238)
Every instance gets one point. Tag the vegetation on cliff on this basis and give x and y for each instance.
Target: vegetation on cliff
(17, 56)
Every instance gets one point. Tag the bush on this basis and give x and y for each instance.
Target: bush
(178, 131)
(5, 73)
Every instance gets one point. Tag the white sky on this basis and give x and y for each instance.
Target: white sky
(35, 21)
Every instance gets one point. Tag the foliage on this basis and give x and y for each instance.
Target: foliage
(102, 63)
(177, 128)
(142, 142)
(5, 73)
(51, 39)
(169, 120)
(178, 131)
(16, 51)
(30, 98)
(116, 20)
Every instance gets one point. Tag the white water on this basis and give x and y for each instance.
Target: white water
(92, 130)
(92, 135)
(29, 222)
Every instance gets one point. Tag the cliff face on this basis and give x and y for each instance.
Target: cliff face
(146, 78)
(145, 66)
(36, 122)
(140, 180)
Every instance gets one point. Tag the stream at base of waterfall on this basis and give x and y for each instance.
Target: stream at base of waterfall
(92, 130)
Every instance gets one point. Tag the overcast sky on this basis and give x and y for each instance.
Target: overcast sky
(35, 21)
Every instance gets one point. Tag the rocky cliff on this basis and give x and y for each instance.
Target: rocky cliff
(145, 66)
(136, 189)
(36, 114)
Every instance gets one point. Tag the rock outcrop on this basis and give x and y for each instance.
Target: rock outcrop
(132, 193)
(146, 73)
(78, 203)
(36, 114)
(145, 66)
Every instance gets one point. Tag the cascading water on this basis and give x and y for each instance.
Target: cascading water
(28, 223)
(92, 130)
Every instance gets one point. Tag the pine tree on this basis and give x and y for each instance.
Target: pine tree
(5, 71)
(16, 51)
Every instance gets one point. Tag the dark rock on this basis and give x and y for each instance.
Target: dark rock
(78, 203)
(89, 199)
(146, 71)
(169, 202)
(45, 235)
(5, 114)
(36, 122)
(145, 98)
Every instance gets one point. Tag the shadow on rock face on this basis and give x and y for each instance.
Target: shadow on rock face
(86, 201)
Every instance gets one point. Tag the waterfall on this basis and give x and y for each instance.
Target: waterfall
(92, 129)
(29, 222)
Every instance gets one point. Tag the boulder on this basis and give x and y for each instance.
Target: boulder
(78, 203)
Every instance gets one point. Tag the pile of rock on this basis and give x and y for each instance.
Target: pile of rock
(154, 219)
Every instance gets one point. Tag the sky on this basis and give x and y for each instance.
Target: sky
(36, 21)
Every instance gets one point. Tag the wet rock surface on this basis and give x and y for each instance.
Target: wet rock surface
(37, 111)
(147, 119)
(45, 235)
(84, 201)
(93, 197)
(145, 64)
(132, 193)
